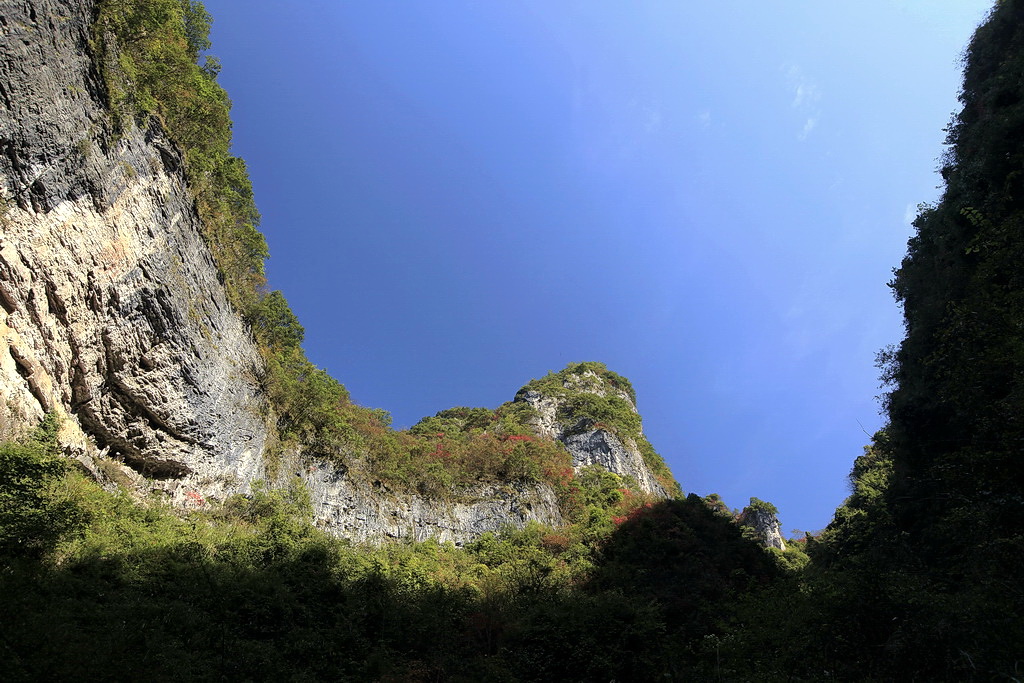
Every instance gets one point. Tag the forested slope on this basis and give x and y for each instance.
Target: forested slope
(919, 576)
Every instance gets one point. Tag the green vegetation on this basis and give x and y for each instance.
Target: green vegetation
(34, 514)
(576, 376)
(250, 590)
(916, 578)
(957, 395)
(794, 558)
(918, 575)
(762, 506)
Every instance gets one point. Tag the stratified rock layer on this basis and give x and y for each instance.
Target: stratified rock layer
(112, 310)
(368, 513)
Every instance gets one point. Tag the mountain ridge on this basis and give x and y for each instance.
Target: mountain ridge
(122, 314)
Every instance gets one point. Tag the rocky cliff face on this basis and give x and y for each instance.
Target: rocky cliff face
(587, 441)
(111, 311)
(369, 513)
(765, 525)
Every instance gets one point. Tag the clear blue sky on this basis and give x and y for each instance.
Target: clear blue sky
(709, 197)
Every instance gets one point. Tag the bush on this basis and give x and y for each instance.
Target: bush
(34, 513)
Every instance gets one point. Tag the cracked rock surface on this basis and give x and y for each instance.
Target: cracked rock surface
(368, 513)
(111, 306)
(589, 445)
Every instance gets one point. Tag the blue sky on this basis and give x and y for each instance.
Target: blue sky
(460, 196)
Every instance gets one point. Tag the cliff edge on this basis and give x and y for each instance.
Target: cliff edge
(118, 315)
(592, 412)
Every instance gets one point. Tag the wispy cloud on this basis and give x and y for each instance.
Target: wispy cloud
(653, 118)
(809, 125)
(806, 98)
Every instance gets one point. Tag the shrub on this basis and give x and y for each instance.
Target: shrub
(34, 512)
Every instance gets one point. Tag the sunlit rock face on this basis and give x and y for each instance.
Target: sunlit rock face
(373, 512)
(588, 443)
(765, 526)
(600, 447)
(112, 311)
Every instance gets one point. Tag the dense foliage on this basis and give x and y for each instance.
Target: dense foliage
(250, 590)
(958, 399)
(955, 410)
(917, 577)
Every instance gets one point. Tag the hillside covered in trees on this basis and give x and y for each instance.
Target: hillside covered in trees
(918, 577)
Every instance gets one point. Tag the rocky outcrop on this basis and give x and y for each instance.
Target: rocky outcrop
(369, 513)
(112, 311)
(587, 442)
(764, 523)
(601, 447)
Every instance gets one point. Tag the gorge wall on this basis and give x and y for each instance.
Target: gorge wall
(113, 314)
(112, 309)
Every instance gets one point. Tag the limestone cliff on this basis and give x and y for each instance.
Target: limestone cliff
(114, 316)
(608, 434)
(763, 521)
(368, 513)
(113, 313)
(112, 309)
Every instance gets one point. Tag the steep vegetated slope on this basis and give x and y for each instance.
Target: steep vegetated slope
(918, 577)
(952, 449)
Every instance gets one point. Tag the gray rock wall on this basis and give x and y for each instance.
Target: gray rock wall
(111, 307)
(111, 311)
(592, 446)
(765, 526)
(368, 513)
(601, 447)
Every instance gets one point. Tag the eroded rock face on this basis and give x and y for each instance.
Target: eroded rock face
(112, 313)
(589, 445)
(601, 447)
(765, 526)
(368, 513)
(111, 307)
